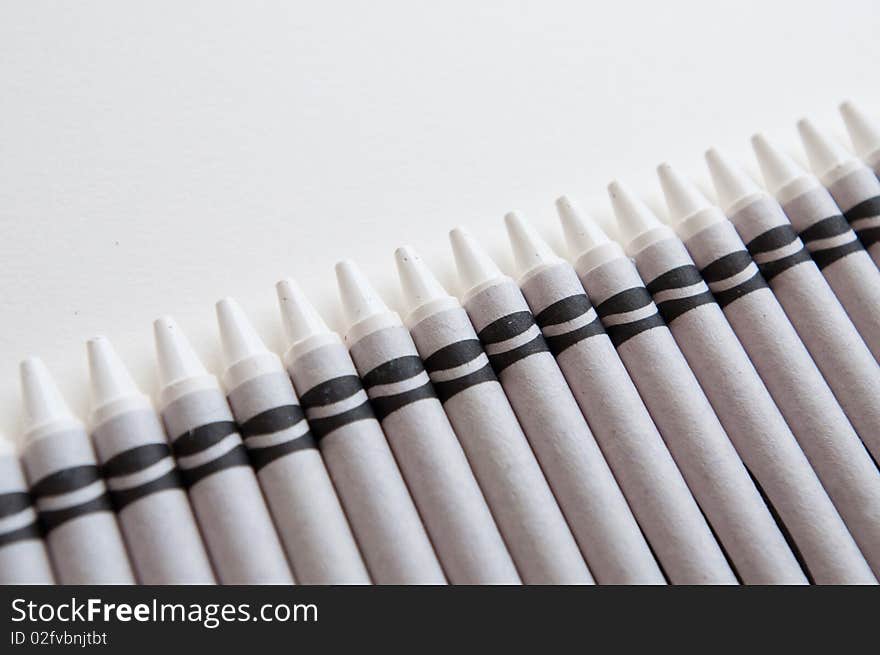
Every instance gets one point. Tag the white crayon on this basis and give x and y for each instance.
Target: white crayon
(537, 536)
(823, 325)
(431, 459)
(739, 396)
(23, 557)
(82, 535)
(863, 132)
(803, 396)
(854, 185)
(596, 510)
(298, 490)
(142, 478)
(648, 476)
(223, 489)
(701, 448)
(832, 244)
(380, 510)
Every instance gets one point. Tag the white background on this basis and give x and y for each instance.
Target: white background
(156, 156)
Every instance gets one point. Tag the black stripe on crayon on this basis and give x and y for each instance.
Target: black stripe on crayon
(724, 298)
(66, 480)
(620, 334)
(558, 343)
(29, 531)
(455, 354)
(627, 301)
(203, 437)
(831, 226)
(726, 267)
(235, 457)
(774, 238)
(507, 327)
(323, 426)
(399, 369)
(331, 391)
(501, 361)
(624, 301)
(672, 309)
(771, 269)
(869, 236)
(563, 310)
(448, 388)
(123, 497)
(825, 229)
(138, 459)
(828, 256)
(385, 405)
(394, 370)
(135, 459)
(865, 209)
(13, 502)
(272, 420)
(260, 457)
(51, 519)
(677, 278)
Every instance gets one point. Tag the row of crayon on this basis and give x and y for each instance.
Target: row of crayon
(694, 405)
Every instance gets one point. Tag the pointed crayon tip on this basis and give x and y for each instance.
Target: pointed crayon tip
(731, 182)
(238, 337)
(581, 232)
(43, 402)
(417, 282)
(683, 198)
(176, 357)
(632, 214)
(300, 318)
(863, 132)
(823, 152)
(777, 167)
(475, 266)
(109, 378)
(359, 299)
(529, 250)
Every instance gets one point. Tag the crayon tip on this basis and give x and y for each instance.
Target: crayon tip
(529, 249)
(359, 299)
(300, 318)
(474, 264)
(418, 284)
(731, 182)
(108, 376)
(823, 152)
(683, 198)
(43, 401)
(863, 132)
(238, 337)
(176, 358)
(581, 232)
(777, 167)
(632, 214)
